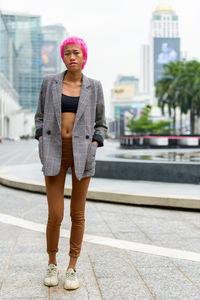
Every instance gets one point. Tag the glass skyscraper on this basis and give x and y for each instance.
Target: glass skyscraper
(8, 55)
(26, 34)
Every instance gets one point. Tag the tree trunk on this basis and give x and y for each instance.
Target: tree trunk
(191, 123)
(174, 121)
(181, 122)
(192, 118)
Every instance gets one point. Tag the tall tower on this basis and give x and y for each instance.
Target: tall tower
(26, 33)
(144, 69)
(8, 53)
(164, 22)
(164, 42)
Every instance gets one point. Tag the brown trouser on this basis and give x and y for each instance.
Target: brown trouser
(55, 196)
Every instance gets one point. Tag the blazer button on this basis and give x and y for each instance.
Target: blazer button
(49, 132)
(87, 136)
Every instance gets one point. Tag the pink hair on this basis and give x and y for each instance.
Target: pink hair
(74, 40)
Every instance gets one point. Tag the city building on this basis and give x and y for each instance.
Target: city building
(126, 102)
(14, 121)
(53, 36)
(26, 33)
(144, 69)
(8, 53)
(164, 43)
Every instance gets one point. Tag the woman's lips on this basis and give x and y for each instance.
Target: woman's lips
(73, 64)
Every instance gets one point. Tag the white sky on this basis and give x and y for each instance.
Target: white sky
(113, 30)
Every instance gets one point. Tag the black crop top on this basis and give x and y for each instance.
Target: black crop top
(69, 103)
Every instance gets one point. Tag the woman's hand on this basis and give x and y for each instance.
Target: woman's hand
(95, 142)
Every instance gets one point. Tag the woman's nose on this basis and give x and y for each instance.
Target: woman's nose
(72, 56)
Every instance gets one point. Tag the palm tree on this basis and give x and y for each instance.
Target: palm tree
(180, 87)
(166, 88)
(192, 90)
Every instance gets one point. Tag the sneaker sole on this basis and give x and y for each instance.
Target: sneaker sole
(71, 288)
(51, 284)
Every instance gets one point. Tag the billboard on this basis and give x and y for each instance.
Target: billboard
(128, 111)
(165, 50)
(49, 58)
(124, 91)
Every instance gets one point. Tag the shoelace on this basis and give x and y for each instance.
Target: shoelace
(51, 271)
(70, 275)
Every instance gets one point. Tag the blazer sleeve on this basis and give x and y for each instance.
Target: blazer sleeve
(40, 112)
(100, 120)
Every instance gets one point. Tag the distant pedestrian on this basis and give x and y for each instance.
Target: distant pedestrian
(70, 125)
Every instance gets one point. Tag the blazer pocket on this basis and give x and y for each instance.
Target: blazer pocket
(40, 149)
(90, 161)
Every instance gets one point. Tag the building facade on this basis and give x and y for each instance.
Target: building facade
(8, 54)
(144, 69)
(164, 43)
(26, 34)
(53, 36)
(126, 100)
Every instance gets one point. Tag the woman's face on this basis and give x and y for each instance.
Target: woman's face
(73, 57)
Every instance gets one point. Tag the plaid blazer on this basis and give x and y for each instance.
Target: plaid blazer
(89, 125)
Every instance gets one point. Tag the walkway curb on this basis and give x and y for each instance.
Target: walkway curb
(114, 197)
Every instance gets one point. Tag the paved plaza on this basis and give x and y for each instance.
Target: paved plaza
(128, 251)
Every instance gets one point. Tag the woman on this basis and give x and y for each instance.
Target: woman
(70, 125)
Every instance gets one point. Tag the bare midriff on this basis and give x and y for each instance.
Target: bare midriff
(68, 118)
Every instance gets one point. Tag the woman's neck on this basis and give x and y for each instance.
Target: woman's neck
(73, 77)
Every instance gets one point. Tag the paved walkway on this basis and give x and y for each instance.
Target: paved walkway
(20, 168)
(128, 252)
(140, 192)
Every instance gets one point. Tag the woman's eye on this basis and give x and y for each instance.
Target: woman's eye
(68, 53)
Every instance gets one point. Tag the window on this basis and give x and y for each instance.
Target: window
(174, 18)
(155, 17)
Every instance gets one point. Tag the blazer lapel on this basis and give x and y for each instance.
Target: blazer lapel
(57, 93)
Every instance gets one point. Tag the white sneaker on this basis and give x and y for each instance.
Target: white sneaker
(51, 278)
(71, 280)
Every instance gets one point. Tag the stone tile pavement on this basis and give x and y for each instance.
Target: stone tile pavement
(105, 272)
